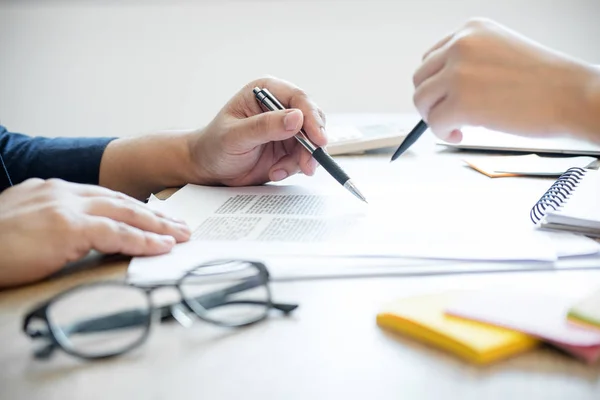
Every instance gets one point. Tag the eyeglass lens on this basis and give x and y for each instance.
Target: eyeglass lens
(232, 294)
(101, 319)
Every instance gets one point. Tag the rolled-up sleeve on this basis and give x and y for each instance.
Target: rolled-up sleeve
(72, 159)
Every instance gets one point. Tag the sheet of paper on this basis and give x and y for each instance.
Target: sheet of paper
(284, 220)
(184, 257)
(531, 164)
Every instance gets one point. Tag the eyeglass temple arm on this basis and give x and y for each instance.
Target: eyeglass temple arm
(133, 318)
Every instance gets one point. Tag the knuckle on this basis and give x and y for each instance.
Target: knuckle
(130, 211)
(417, 97)
(464, 45)
(263, 124)
(34, 182)
(116, 229)
(54, 183)
(322, 116)
(120, 227)
(415, 79)
(477, 22)
(267, 78)
(263, 80)
(62, 219)
(298, 95)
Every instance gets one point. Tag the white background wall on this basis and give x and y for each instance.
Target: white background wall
(127, 67)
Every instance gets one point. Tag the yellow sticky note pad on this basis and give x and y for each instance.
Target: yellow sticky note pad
(423, 318)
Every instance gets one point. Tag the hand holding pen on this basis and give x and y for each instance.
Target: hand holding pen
(271, 103)
(245, 146)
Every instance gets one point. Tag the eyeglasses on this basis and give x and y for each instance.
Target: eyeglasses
(106, 319)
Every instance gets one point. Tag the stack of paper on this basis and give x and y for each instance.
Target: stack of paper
(297, 221)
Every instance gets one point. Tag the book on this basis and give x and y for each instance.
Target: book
(572, 203)
(423, 318)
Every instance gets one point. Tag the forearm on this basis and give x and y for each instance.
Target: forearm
(142, 165)
(593, 107)
(584, 119)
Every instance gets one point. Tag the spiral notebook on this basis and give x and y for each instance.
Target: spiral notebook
(572, 203)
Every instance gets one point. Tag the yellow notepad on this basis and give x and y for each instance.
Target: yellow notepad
(423, 318)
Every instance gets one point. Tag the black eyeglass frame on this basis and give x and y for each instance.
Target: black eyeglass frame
(165, 313)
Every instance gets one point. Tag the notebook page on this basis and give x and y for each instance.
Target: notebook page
(582, 208)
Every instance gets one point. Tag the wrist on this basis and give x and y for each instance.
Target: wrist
(147, 164)
(198, 167)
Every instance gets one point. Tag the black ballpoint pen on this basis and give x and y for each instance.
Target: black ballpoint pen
(410, 139)
(271, 103)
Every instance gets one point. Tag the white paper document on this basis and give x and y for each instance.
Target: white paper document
(276, 221)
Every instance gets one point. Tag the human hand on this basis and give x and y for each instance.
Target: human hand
(46, 224)
(487, 75)
(244, 145)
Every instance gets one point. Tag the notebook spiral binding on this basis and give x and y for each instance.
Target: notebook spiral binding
(558, 193)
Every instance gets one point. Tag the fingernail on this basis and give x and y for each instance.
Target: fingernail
(166, 240)
(279, 175)
(185, 229)
(323, 131)
(179, 221)
(292, 120)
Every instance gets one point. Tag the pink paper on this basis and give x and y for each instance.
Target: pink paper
(588, 354)
(543, 316)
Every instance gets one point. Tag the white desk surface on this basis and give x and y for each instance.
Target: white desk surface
(329, 348)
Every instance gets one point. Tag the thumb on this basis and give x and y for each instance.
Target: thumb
(268, 127)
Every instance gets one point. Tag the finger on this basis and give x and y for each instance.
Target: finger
(286, 166)
(305, 160)
(431, 66)
(438, 45)
(99, 191)
(138, 216)
(444, 120)
(429, 93)
(455, 136)
(293, 97)
(273, 126)
(108, 236)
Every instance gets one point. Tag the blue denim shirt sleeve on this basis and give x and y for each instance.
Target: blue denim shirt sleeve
(72, 159)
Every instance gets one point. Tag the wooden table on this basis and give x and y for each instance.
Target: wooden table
(329, 348)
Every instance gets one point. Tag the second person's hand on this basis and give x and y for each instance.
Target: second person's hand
(487, 75)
